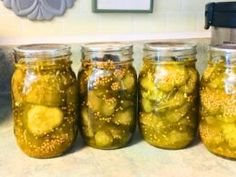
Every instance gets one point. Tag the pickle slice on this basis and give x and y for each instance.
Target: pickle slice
(174, 100)
(146, 105)
(128, 82)
(124, 117)
(103, 139)
(86, 123)
(17, 86)
(169, 77)
(192, 82)
(208, 73)
(45, 91)
(108, 106)
(117, 132)
(174, 115)
(152, 121)
(147, 81)
(42, 119)
(155, 95)
(179, 139)
(94, 102)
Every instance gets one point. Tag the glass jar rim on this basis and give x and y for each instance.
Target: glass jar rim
(170, 46)
(42, 50)
(107, 51)
(224, 48)
(106, 47)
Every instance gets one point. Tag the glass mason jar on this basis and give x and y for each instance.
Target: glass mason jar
(218, 102)
(107, 88)
(44, 99)
(168, 95)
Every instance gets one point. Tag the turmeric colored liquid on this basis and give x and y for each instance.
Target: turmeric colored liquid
(168, 103)
(218, 109)
(108, 106)
(44, 108)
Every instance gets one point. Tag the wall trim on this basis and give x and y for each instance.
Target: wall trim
(104, 38)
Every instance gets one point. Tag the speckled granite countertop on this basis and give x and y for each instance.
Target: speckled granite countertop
(139, 159)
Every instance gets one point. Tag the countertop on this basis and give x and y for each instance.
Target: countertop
(138, 159)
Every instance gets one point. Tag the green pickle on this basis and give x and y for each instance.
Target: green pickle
(218, 105)
(168, 98)
(108, 101)
(44, 93)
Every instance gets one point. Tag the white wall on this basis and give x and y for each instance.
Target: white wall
(81, 24)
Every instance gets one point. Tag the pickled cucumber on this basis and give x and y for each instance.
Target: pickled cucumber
(17, 87)
(45, 91)
(124, 117)
(147, 82)
(191, 83)
(82, 76)
(151, 121)
(179, 139)
(128, 82)
(218, 111)
(86, 123)
(45, 121)
(103, 139)
(42, 120)
(108, 105)
(146, 105)
(168, 77)
(174, 115)
(155, 95)
(94, 102)
(168, 97)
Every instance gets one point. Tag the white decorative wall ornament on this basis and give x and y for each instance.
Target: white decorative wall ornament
(39, 9)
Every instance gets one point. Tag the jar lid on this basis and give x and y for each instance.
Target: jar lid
(42, 50)
(225, 48)
(171, 48)
(224, 52)
(221, 14)
(104, 51)
(106, 47)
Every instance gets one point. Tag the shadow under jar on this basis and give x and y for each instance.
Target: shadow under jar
(107, 90)
(168, 95)
(218, 102)
(44, 94)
